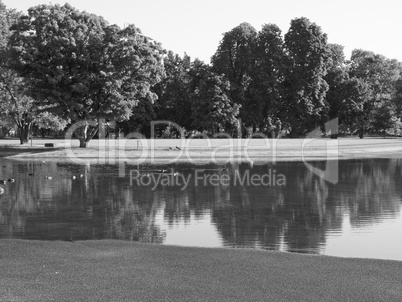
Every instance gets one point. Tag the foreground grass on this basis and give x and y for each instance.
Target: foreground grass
(127, 271)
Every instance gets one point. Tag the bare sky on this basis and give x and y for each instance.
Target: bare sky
(196, 27)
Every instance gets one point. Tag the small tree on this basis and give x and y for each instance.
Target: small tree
(15, 105)
(47, 120)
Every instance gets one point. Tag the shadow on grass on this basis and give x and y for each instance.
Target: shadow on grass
(8, 150)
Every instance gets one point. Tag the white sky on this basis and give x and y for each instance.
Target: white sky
(197, 27)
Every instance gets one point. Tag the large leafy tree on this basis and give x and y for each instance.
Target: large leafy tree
(83, 67)
(267, 79)
(235, 59)
(306, 47)
(380, 75)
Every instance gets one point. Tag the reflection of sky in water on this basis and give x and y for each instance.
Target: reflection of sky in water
(367, 241)
(358, 217)
(377, 240)
(198, 232)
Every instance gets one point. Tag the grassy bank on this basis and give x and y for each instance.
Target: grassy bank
(127, 271)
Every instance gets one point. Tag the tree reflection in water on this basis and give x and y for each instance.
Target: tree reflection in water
(296, 217)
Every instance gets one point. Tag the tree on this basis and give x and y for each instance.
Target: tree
(212, 108)
(337, 79)
(140, 120)
(306, 47)
(397, 98)
(354, 109)
(380, 75)
(174, 91)
(235, 59)
(267, 79)
(47, 120)
(82, 67)
(15, 105)
(23, 111)
(384, 119)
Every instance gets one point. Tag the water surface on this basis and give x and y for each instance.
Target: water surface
(288, 208)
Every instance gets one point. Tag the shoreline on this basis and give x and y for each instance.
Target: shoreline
(112, 270)
(195, 151)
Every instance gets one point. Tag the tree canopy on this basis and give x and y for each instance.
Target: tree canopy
(307, 52)
(81, 66)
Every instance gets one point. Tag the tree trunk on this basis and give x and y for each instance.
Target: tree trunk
(86, 133)
(263, 129)
(23, 132)
(278, 131)
(361, 132)
(83, 143)
(84, 139)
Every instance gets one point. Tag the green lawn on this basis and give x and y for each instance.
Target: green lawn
(127, 271)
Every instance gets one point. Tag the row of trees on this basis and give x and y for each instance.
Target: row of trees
(61, 66)
(275, 85)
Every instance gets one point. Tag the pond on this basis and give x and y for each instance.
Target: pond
(281, 206)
